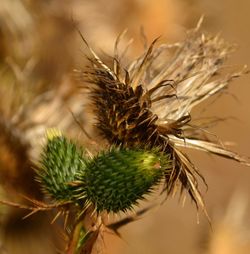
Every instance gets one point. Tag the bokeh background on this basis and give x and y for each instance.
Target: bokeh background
(39, 48)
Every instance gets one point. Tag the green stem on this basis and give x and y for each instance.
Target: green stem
(72, 248)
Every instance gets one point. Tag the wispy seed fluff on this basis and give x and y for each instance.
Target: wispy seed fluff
(149, 102)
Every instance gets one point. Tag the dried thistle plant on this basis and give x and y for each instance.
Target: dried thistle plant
(148, 103)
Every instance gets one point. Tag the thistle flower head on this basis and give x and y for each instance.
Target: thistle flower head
(149, 102)
(116, 180)
(59, 162)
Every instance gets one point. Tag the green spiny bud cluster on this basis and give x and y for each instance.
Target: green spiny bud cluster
(112, 181)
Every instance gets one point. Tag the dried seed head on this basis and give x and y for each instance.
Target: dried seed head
(149, 103)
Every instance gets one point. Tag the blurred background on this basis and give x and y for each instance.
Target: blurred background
(39, 48)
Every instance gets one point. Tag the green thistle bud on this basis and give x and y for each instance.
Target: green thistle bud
(116, 180)
(59, 162)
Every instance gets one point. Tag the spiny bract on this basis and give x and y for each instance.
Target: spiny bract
(115, 180)
(59, 162)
